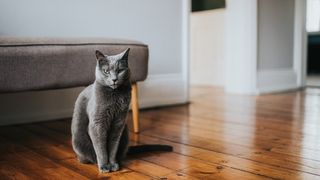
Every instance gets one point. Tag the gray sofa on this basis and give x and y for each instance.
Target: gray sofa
(28, 64)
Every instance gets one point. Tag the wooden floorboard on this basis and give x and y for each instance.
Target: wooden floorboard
(216, 136)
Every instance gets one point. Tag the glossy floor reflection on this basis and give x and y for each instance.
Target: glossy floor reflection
(216, 136)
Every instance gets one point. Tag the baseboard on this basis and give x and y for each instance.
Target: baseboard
(160, 90)
(157, 90)
(276, 80)
(36, 116)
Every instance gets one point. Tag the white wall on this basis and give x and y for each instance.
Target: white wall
(276, 23)
(162, 24)
(313, 16)
(275, 34)
(207, 64)
(265, 45)
(241, 46)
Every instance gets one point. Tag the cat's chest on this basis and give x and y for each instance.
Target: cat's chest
(112, 104)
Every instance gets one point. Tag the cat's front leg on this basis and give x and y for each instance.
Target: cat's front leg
(114, 141)
(98, 134)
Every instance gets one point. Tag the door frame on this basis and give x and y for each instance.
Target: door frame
(300, 42)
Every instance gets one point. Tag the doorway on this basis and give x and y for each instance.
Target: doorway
(313, 44)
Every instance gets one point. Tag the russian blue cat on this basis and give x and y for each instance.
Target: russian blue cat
(99, 129)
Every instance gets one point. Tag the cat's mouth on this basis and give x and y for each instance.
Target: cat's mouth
(114, 86)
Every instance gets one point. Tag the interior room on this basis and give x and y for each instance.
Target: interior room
(313, 29)
(159, 89)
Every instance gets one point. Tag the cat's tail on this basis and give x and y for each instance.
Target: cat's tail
(149, 148)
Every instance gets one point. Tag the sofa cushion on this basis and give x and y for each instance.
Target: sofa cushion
(52, 63)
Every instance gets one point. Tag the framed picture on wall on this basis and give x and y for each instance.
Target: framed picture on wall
(201, 5)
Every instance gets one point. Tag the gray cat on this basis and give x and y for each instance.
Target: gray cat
(99, 130)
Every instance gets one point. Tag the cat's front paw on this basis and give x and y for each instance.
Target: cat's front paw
(105, 168)
(114, 166)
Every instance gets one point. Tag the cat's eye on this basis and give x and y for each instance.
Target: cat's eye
(106, 71)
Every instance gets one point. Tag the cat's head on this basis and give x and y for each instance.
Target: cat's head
(112, 70)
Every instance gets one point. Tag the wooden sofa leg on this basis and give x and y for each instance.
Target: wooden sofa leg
(135, 107)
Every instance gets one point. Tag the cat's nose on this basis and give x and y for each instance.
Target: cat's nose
(115, 80)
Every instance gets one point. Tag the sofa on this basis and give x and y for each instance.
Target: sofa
(33, 64)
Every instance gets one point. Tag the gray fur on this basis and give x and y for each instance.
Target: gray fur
(99, 130)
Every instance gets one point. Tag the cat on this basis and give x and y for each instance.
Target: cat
(99, 130)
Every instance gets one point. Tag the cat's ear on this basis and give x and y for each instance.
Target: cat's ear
(99, 55)
(125, 54)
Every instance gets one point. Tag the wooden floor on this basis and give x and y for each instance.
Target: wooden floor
(217, 136)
